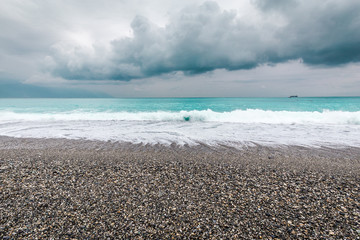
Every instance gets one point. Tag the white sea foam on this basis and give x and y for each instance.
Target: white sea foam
(238, 127)
(237, 116)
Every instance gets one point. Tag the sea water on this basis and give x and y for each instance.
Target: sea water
(330, 121)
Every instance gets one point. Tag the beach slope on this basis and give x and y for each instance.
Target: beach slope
(75, 189)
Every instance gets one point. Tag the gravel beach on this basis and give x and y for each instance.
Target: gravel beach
(76, 189)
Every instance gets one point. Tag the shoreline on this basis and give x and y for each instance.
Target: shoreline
(58, 188)
(344, 158)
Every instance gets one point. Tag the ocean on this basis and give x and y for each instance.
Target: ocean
(315, 122)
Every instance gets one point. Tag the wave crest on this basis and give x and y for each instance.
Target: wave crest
(237, 116)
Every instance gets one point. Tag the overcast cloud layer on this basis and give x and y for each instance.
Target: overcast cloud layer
(204, 38)
(179, 48)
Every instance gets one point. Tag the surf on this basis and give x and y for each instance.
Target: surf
(236, 116)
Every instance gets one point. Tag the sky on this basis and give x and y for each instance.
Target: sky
(161, 48)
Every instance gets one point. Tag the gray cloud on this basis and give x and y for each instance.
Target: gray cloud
(324, 34)
(205, 38)
(275, 4)
(43, 42)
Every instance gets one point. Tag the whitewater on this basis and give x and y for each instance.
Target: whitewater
(236, 122)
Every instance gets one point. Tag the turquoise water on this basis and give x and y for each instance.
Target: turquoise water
(331, 121)
(350, 104)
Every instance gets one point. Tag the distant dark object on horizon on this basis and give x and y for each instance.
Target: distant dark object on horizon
(293, 96)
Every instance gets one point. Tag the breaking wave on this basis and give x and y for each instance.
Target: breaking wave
(237, 116)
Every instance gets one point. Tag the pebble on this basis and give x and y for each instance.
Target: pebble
(154, 192)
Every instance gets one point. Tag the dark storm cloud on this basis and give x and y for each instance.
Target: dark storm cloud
(206, 38)
(325, 33)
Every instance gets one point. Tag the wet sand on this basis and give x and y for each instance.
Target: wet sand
(76, 189)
